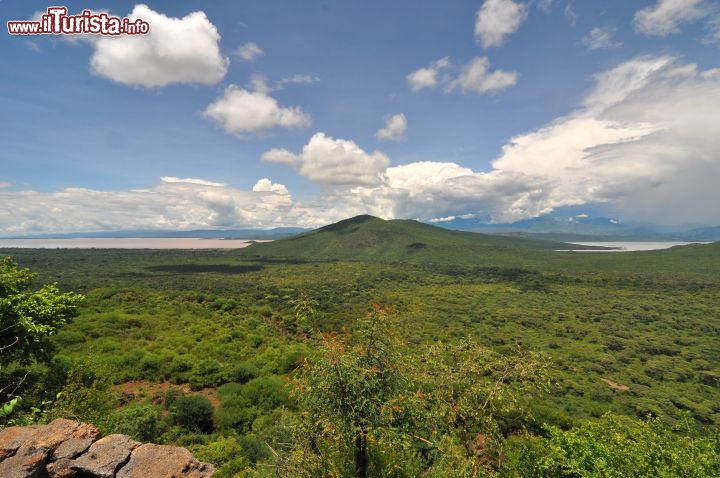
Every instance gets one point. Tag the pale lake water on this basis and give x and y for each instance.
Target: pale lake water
(629, 246)
(197, 243)
(126, 243)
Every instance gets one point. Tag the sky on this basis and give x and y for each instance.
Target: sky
(267, 113)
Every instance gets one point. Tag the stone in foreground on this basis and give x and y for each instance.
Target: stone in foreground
(69, 449)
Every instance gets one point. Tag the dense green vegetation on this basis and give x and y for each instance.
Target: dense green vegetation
(28, 318)
(481, 360)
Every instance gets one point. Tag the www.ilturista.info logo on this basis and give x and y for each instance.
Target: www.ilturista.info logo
(57, 22)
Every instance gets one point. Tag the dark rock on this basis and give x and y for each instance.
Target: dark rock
(28, 462)
(105, 456)
(162, 461)
(63, 468)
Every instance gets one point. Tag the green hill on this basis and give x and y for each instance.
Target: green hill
(368, 238)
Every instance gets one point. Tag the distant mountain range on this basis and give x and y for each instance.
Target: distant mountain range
(583, 228)
(552, 228)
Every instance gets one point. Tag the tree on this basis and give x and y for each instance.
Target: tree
(28, 318)
(371, 411)
(304, 315)
(351, 400)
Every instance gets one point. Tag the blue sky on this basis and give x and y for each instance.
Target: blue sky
(85, 148)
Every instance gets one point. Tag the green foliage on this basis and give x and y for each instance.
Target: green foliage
(243, 372)
(171, 396)
(369, 238)
(9, 407)
(304, 316)
(28, 318)
(86, 395)
(142, 422)
(351, 396)
(225, 452)
(472, 398)
(240, 404)
(193, 412)
(207, 373)
(615, 447)
(637, 334)
(370, 411)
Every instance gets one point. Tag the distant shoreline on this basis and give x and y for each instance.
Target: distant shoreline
(629, 246)
(129, 243)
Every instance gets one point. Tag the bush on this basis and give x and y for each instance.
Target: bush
(241, 404)
(243, 372)
(266, 393)
(207, 373)
(225, 453)
(614, 446)
(172, 395)
(140, 422)
(149, 366)
(86, 395)
(193, 412)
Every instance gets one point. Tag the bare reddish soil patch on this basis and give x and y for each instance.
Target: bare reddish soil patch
(141, 389)
(615, 385)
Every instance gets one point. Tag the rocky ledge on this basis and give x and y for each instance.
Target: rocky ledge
(66, 449)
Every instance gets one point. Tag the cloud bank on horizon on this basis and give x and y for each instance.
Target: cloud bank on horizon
(643, 141)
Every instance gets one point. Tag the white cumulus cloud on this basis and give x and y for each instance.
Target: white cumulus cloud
(267, 186)
(240, 111)
(172, 203)
(498, 19)
(177, 50)
(249, 52)
(646, 141)
(665, 16)
(427, 77)
(394, 130)
(332, 161)
(476, 77)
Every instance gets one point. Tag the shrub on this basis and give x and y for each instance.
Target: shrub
(140, 422)
(266, 393)
(243, 372)
(172, 395)
(241, 404)
(614, 446)
(193, 412)
(149, 366)
(225, 453)
(207, 373)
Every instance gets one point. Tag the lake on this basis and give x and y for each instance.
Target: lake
(628, 246)
(126, 243)
(198, 243)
